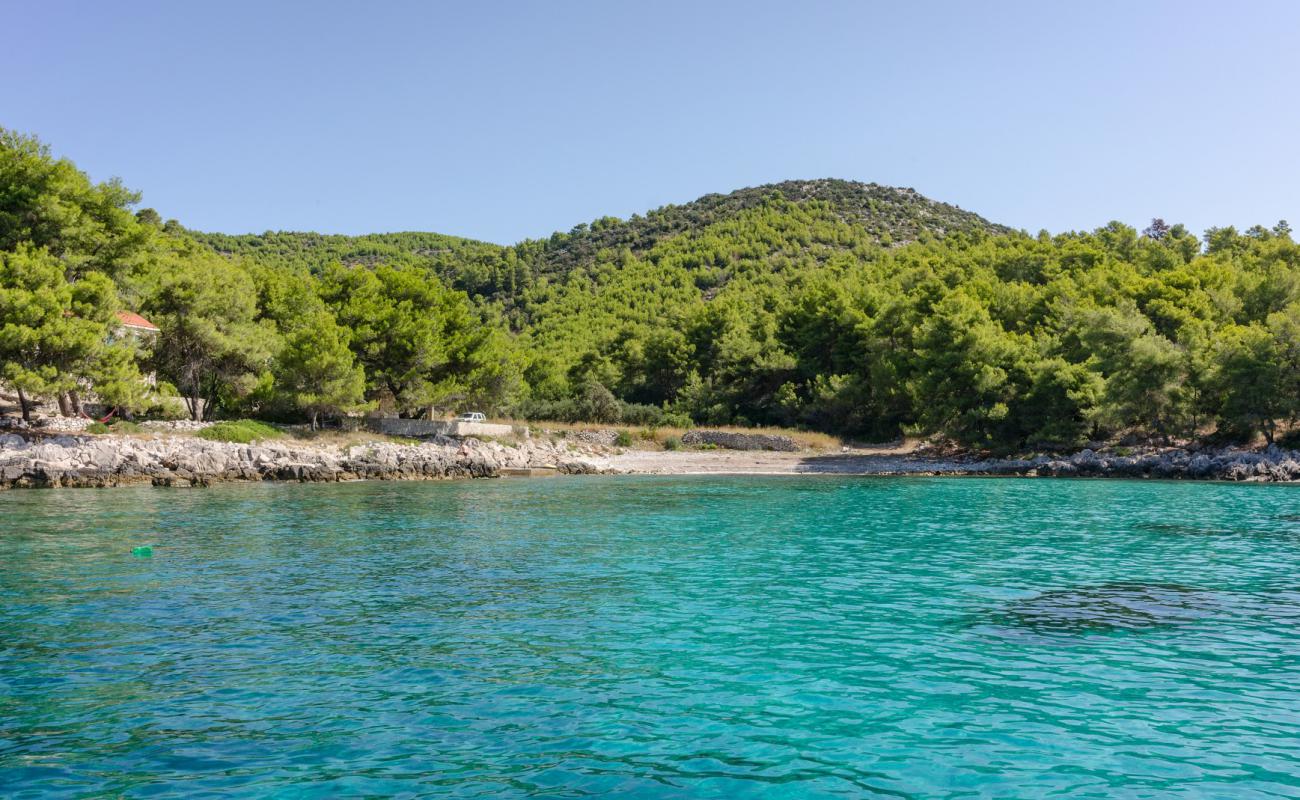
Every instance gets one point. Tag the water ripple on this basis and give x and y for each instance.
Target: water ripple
(657, 637)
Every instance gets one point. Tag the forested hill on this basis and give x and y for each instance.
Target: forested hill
(843, 307)
(887, 214)
(871, 213)
(448, 255)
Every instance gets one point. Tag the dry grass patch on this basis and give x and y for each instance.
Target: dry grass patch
(652, 438)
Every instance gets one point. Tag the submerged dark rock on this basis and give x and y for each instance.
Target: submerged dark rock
(1108, 607)
(1181, 529)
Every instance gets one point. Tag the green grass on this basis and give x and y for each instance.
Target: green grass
(116, 426)
(240, 431)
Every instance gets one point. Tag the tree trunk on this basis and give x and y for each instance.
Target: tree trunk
(65, 408)
(196, 411)
(313, 420)
(76, 404)
(22, 405)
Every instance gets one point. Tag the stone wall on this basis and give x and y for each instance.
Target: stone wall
(741, 441)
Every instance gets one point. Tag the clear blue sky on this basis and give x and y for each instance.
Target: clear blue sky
(509, 120)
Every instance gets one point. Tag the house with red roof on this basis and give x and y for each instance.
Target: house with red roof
(136, 325)
(142, 330)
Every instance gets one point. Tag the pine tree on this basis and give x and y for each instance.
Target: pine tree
(317, 370)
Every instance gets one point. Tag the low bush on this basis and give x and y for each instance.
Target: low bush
(676, 419)
(240, 431)
(596, 405)
(115, 426)
(1290, 440)
(639, 414)
(672, 443)
(624, 439)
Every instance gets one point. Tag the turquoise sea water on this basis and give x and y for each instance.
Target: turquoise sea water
(655, 637)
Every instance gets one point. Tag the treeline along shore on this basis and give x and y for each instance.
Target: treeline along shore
(860, 311)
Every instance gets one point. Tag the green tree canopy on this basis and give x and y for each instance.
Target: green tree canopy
(55, 334)
(211, 343)
(49, 203)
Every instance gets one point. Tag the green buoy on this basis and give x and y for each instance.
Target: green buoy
(144, 551)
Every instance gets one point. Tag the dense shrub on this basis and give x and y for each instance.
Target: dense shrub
(595, 403)
(596, 406)
(558, 410)
(641, 414)
(115, 426)
(241, 431)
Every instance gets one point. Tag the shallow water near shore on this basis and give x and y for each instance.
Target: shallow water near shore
(653, 636)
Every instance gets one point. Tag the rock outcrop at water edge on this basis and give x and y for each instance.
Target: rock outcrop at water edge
(95, 461)
(1270, 465)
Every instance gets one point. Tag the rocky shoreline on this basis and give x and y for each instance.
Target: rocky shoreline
(1272, 464)
(1226, 464)
(102, 461)
(28, 461)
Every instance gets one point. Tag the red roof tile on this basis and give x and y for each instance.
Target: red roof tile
(133, 320)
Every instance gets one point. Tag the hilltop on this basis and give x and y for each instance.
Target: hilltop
(874, 214)
(886, 214)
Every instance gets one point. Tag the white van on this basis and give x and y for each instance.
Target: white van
(471, 416)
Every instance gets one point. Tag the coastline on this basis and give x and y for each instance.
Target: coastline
(89, 461)
(1272, 465)
(72, 461)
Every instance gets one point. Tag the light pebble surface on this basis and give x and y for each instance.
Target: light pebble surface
(1272, 464)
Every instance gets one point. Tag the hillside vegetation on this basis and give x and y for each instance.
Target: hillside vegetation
(842, 307)
(501, 274)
